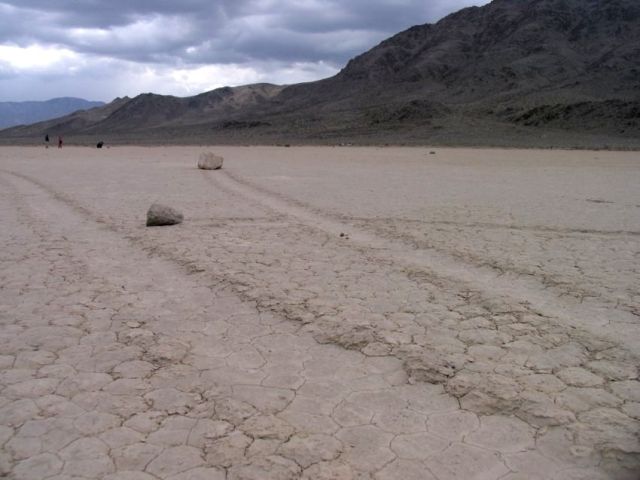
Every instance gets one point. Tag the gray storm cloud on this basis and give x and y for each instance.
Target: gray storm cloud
(221, 31)
(265, 35)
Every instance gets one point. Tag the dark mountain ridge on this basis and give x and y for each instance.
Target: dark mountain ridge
(22, 113)
(502, 73)
(513, 46)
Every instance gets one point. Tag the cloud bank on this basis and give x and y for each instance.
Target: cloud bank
(99, 50)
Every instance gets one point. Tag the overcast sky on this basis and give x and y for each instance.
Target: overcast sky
(102, 49)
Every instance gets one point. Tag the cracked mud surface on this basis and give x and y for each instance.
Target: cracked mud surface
(477, 318)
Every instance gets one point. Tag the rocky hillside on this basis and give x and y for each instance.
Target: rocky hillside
(149, 111)
(513, 69)
(576, 49)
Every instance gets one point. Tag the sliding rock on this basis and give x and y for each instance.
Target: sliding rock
(159, 215)
(209, 161)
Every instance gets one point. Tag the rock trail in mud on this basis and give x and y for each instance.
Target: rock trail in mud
(285, 349)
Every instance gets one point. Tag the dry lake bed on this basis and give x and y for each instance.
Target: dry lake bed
(321, 313)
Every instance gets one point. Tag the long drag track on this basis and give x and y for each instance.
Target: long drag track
(321, 314)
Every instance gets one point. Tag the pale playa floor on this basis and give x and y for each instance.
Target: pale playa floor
(479, 319)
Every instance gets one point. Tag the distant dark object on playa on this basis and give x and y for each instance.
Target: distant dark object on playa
(99, 144)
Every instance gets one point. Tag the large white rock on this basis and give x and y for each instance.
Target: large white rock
(209, 161)
(159, 215)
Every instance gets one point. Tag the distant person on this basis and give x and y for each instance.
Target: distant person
(60, 141)
(46, 140)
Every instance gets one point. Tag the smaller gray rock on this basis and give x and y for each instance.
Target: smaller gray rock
(210, 161)
(159, 215)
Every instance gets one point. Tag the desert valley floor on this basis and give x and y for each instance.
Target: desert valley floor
(321, 313)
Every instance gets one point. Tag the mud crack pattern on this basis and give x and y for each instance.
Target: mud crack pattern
(255, 342)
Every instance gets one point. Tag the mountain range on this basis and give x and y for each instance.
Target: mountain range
(513, 72)
(23, 113)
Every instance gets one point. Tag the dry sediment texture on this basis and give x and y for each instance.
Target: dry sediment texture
(478, 316)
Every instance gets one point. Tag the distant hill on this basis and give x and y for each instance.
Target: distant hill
(513, 72)
(23, 113)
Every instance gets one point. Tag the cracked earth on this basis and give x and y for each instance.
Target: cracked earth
(322, 313)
